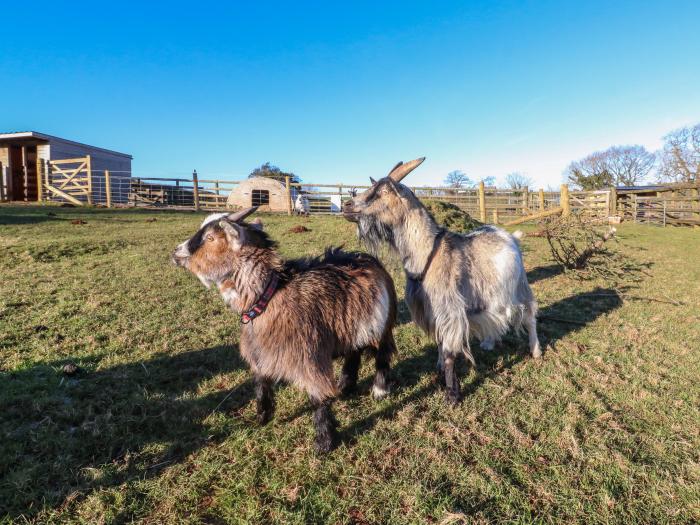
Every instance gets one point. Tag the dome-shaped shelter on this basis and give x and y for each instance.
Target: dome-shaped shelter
(269, 194)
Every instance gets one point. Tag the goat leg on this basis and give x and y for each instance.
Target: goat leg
(452, 393)
(382, 365)
(264, 399)
(326, 435)
(348, 375)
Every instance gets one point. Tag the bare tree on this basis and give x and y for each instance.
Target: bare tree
(518, 180)
(458, 179)
(489, 181)
(680, 156)
(629, 165)
(616, 166)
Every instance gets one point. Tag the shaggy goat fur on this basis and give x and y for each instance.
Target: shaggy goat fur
(457, 285)
(331, 306)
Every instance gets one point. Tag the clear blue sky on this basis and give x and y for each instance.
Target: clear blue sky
(339, 92)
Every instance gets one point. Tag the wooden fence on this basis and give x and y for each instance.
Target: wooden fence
(675, 205)
(75, 181)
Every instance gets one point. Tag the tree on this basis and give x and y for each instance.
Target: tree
(518, 181)
(680, 156)
(590, 173)
(629, 165)
(489, 181)
(616, 166)
(458, 179)
(273, 172)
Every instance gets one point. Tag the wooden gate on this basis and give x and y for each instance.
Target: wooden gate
(70, 179)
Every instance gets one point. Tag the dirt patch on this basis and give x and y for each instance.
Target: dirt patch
(299, 229)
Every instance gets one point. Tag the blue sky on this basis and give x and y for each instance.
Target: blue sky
(339, 92)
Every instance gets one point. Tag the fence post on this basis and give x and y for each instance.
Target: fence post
(47, 174)
(2, 182)
(88, 168)
(613, 201)
(108, 189)
(39, 181)
(541, 199)
(526, 199)
(195, 186)
(634, 209)
(564, 200)
(482, 202)
(664, 202)
(495, 215)
(289, 194)
(695, 205)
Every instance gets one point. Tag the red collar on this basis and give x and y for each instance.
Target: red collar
(260, 305)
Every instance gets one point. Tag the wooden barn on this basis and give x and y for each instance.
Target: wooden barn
(269, 194)
(36, 166)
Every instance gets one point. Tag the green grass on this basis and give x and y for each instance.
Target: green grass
(159, 426)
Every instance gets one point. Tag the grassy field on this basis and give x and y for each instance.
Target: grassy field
(158, 426)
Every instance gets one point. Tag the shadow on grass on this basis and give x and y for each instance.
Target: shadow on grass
(96, 429)
(544, 272)
(583, 308)
(65, 437)
(14, 217)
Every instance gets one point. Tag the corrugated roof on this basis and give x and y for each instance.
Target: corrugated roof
(44, 136)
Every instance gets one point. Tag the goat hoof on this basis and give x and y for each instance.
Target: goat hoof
(324, 446)
(379, 392)
(536, 353)
(453, 398)
(440, 378)
(346, 388)
(264, 418)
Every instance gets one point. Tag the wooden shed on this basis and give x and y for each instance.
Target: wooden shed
(26, 157)
(269, 194)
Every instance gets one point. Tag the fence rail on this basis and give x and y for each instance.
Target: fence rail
(74, 180)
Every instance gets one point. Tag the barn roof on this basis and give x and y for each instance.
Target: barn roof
(28, 135)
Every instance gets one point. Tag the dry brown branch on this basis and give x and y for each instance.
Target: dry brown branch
(586, 248)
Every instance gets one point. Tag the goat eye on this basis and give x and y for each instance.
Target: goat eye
(210, 237)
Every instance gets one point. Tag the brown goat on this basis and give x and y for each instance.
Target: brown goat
(298, 315)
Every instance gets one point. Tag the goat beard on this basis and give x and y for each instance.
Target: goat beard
(374, 235)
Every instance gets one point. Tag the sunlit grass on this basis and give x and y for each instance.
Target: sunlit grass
(603, 429)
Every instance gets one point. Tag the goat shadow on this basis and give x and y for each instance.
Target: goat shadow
(112, 415)
(119, 416)
(581, 309)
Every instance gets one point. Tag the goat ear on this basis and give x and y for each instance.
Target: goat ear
(372, 181)
(256, 224)
(389, 187)
(401, 170)
(233, 232)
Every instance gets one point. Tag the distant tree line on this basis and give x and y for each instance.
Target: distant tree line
(677, 161)
(459, 179)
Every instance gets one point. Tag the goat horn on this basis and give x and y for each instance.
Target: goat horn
(240, 215)
(401, 169)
